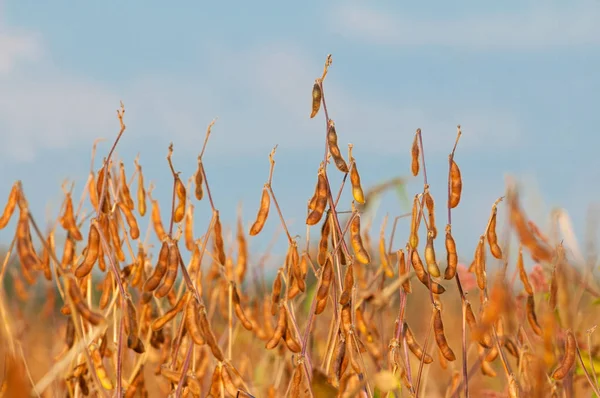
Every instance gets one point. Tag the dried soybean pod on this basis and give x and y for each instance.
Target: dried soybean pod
(414, 224)
(192, 323)
(91, 254)
(414, 154)
(189, 228)
(414, 345)
(45, 260)
(228, 382)
(159, 229)
(357, 191)
(141, 191)
(430, 205)
(455, 183)
(523, 272)
(451, 256)
(417, 264)
(440, 338)
(160, 269)
(321, 200)
(348, 284)
(316, 98)
(492, 237)
(134, 230)
(275, 294)
(100, 370)
(181, 199)
(100, 185)
(125, 194)
(402, 270)
(199, 180)
(389, 272)
(356, 240)
(209, 336)
(480, 263)
(106, 288)
(218, 238)
(324, 284)
(171, 274)
(334, 149)
(323, 241)
(568, 359)
(242, 259)
(131, 328)
(430, 260)
(68, 219)
(27, 256)
(216, 389)
(11, 204)
(263, 212)
(239, 311)
(279, 330)
(81, 305)
(116, 240)
(160, 322)
(531, 316)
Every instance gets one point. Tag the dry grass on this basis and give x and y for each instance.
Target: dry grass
(106, 315)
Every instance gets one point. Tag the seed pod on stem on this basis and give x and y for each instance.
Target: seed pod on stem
(263, 212)
(334, 149)
(451, 255)
(357, 191)
(316, 98)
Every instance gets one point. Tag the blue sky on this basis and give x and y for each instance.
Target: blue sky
(521, 77)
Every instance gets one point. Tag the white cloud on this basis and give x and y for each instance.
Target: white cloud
(540, 25)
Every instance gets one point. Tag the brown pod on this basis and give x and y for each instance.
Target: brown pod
(323, 241)
(403, 270)
(125, 194)
(348, 284)
(68, 221)
(356, 240)
(159, 229)
(192, 323)
(181, 200)
(316, 98)
(414, 346)
(568, 359)
(28, 258)
(81, 305)
(199, 180)
(413, 239)
(531, 316)
(275, 294)
(242, 259)
(414, 154)
(209, 336)
(171, 274)
(523, 273)
(218, 238)
(279, 330)
(451, 256)
(334, 149)
(115, 239)
(430, 259)
(160, 269)
(134, 230)
(430, 205)
(440, 338)
(161, 321)
(492, 237)
(91, 254)
(100, 186)
(321, 200)
(189, 228)
(141, 192)
(263, 212)
(357, 191)
(455, 184)
(480, 264)
(324, 284)
(239, 311)
(11, 204)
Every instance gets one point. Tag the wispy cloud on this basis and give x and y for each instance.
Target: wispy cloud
(261, 96)
(537, 25)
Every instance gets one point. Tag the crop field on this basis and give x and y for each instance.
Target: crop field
(89, 308)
